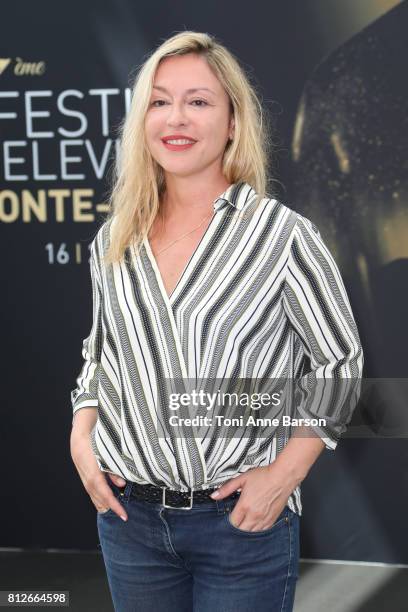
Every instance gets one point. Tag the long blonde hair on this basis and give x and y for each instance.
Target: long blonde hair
(134, 198)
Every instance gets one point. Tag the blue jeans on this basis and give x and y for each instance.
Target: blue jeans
(173, 560)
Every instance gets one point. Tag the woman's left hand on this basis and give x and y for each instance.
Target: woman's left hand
(264, 494)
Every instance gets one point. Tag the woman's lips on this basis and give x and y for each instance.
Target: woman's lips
(174, 147)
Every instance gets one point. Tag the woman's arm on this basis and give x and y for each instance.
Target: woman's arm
(318, 308)
(85, 394)
(84, 421)
(298, 456)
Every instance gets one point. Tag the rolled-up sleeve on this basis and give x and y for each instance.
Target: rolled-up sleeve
(85, 393)
(319, 311)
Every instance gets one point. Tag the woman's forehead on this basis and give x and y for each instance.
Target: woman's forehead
(173, 73)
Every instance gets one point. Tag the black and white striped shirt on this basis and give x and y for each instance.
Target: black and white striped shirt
(260, 296)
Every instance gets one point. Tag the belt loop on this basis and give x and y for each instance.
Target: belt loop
(125, 495)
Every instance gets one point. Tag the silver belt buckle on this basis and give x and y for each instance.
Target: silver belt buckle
(177, 507)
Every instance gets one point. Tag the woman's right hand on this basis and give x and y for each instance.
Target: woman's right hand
(92, 477)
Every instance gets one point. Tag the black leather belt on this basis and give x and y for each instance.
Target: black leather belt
(174, 499)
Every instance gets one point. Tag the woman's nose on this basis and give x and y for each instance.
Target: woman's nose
(176, 114)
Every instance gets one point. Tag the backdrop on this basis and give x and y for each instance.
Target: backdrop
(332, 77)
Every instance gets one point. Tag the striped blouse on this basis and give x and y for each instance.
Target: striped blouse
(260, 298)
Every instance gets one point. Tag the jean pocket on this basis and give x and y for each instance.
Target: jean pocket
(118, 493)
(281, 521)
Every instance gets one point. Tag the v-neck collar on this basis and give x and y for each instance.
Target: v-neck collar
(169, 299)
(229, 196)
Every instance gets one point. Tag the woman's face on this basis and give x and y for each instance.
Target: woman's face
(202, 116)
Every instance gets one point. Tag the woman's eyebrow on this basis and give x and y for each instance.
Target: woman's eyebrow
(191, 90)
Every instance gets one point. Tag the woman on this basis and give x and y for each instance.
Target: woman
(198, 275)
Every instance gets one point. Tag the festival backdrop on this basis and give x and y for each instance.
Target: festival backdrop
(332, 78)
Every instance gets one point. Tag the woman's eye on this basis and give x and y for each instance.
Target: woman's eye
(158, 102)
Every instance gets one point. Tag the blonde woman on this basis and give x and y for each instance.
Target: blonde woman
(198, 274)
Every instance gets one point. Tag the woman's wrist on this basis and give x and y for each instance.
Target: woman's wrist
(299, 455)
(292, 474)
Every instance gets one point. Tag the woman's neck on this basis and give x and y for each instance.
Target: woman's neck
(181, 199)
